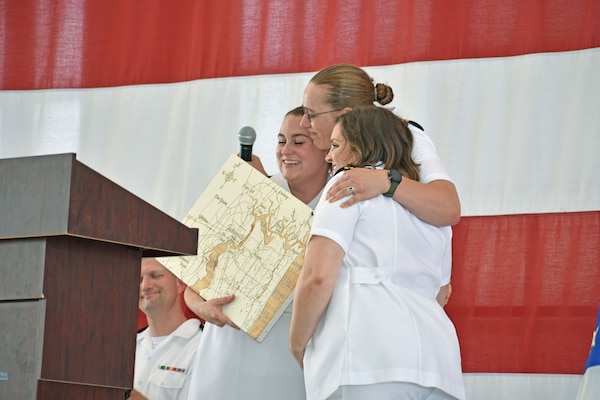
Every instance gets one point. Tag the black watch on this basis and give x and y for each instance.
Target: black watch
(395, 179)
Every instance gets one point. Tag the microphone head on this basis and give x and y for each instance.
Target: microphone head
(247, 135)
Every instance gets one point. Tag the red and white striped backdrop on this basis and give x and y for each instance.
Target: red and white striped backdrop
(153, 93)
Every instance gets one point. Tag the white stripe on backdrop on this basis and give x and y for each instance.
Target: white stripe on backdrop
(518, 134)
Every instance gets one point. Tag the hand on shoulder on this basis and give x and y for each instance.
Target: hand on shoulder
(365, 182)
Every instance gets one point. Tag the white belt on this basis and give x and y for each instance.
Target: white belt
(369, 276)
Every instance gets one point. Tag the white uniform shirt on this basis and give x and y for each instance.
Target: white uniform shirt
(431, 169)
(383, 323)
(163, 373)
(425, 153)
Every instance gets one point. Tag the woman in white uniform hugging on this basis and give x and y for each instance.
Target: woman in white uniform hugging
(365, 321)
(230, 364)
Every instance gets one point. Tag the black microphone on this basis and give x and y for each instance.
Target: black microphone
(247, 137)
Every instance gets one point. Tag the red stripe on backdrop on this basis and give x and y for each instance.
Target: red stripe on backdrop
(526, 291)
(66, 44)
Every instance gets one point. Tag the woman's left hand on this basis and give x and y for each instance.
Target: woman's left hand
(365, 182)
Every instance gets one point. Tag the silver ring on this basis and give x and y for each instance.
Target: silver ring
(351, 189)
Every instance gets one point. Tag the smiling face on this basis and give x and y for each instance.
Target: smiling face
(340, 154)
(321, 125)
(159, 288)
(297, 156)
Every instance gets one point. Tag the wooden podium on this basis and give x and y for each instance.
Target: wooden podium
(71, 243)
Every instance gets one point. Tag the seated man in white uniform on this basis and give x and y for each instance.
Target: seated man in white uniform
(166, 350)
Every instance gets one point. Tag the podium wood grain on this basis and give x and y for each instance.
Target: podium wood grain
(72, 240)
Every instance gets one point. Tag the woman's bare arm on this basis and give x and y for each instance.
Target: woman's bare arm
(313, 291)
(436, 202)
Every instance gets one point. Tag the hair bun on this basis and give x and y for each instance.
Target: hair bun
(383, 94)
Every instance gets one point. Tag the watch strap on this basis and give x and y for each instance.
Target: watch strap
(391, 190)
(395, 179)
